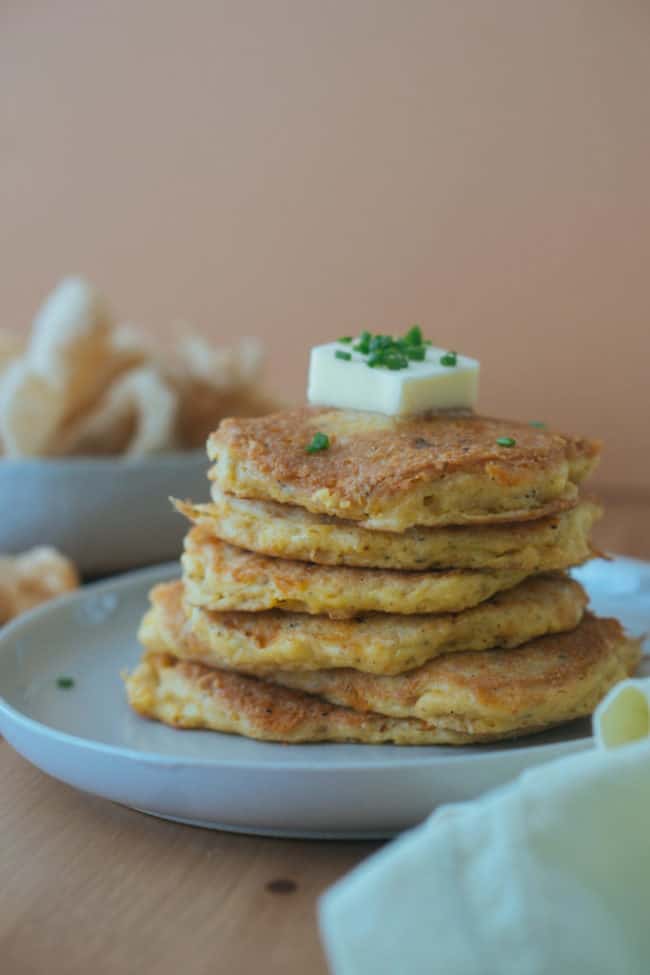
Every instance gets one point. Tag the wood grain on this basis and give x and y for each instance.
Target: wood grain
(87, 886)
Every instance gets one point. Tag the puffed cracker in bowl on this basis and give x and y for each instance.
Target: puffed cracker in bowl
(99, 426)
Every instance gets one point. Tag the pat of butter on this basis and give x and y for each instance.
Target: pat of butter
(428, 385)
(624, 714)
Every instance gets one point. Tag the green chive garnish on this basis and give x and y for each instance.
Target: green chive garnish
(363, 345)
(506, 441)
(346, 339)
(537, 424)
(65, 682)
(414, 335)
(339, 354)
(385, 352)
(449, 359)
(395, 362)
(320, 441)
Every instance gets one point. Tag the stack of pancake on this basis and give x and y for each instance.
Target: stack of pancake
(406, 583)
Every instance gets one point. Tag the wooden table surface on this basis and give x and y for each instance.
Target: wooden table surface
(90, 887)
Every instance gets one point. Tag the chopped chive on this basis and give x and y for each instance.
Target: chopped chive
(386, 352)
(537, 424)
(396, 362)
(506, 441)
(363, 345)
(320, 441)
(414, 335)
(380, 342)
(65, 682)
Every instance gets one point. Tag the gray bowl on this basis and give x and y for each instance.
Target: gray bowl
(108, 514)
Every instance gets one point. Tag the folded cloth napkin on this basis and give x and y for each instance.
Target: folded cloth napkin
(550, 874)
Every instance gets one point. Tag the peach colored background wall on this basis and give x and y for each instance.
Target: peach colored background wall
(299, 170)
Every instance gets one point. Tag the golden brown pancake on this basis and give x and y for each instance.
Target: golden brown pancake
(286, 531)
(378, 643)
(551, 684)
(185, 694)
(222, 577)
(393, 473)
(548, 680)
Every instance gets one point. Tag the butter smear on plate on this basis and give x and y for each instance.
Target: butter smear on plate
(398, 377)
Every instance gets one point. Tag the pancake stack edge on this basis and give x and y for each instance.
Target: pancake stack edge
(340, 618)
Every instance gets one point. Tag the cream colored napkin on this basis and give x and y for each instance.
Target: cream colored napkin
(549, 875)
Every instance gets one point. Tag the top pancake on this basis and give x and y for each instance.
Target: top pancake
(393, 473)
